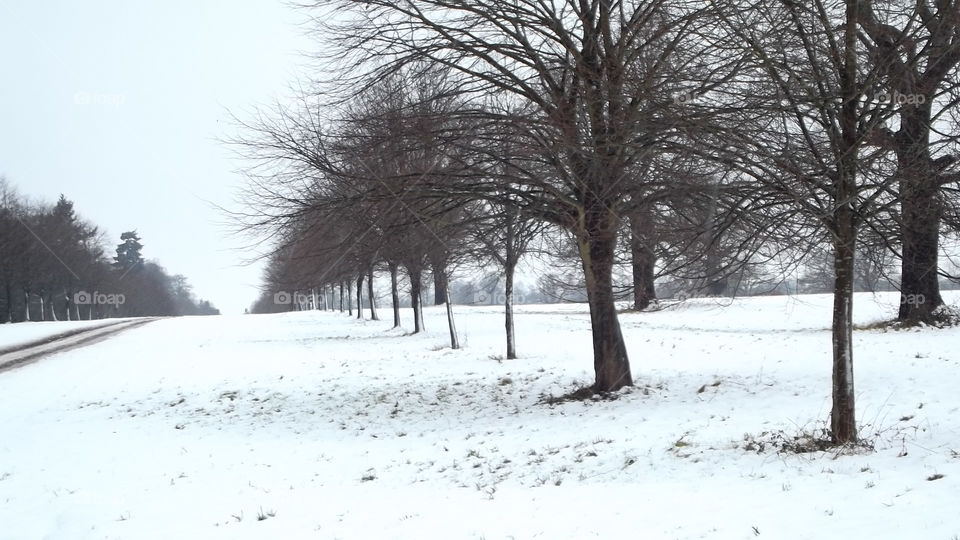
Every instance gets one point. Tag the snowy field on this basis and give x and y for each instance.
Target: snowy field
(315, 425)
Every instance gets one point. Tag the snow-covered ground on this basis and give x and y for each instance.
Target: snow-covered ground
(315, 425)
(12, 335)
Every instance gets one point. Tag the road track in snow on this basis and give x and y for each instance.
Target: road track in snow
(26, 353)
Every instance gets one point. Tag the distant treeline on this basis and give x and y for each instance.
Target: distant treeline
(55, 266)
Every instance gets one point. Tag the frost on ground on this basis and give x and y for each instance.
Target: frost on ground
(315, 425)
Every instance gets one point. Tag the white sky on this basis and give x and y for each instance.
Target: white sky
(117, 104)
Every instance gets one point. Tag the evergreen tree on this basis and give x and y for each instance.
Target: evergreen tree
(128, 252)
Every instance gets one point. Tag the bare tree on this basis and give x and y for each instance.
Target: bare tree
(589, 84)
(810, 95)
(916, 46)
(502, 235)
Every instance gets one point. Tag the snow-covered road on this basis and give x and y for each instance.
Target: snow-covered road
(315, 425)
(13, 336)
(18, 355)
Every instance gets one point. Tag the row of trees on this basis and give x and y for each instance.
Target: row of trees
(53, 266)
(706, 140)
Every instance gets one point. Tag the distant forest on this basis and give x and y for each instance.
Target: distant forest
(54, 265)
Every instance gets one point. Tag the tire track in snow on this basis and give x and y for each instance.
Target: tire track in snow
(14, 357)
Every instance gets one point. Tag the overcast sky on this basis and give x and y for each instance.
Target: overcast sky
(118, 104)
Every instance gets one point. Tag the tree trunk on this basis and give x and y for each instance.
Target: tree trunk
(596, 239)
(370, 298)
(420, 312)
(43, 311)
(843, 426)
(349, 300)
(440, 282)
(26, 305)
(920, 211)
(8, 315)
(341, 296)
(360, 296)
(416, 277)
(510, 259)
(716, 276)
(394, 294)
(454, 340)
(508, 309)
(643, 258)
